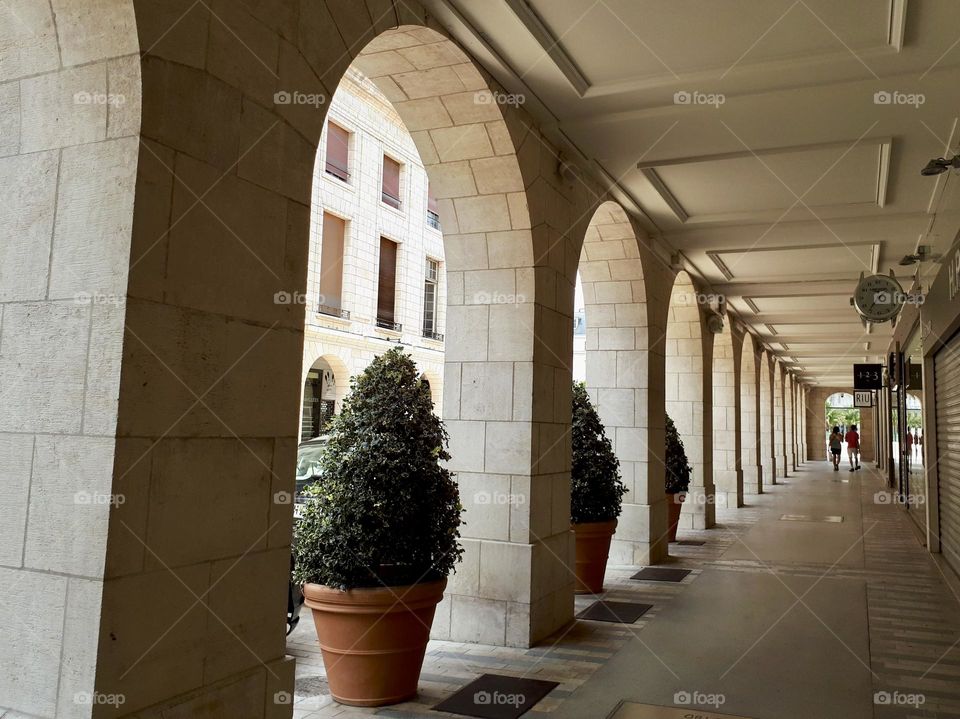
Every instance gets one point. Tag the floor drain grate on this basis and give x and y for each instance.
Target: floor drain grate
(619, 612)
(493, 696)
(661, 574)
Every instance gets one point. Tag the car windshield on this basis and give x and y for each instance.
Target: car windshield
(308, 459)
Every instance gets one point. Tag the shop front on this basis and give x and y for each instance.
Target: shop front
(923, 418)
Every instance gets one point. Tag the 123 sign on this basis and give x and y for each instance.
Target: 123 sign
(868, 376)
(863, 398)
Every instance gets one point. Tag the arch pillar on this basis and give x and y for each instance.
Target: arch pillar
(727, 470)
(617, 368)
(689, 396)
(750, 455)
(779, 431)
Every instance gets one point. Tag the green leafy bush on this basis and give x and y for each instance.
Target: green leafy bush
(595, 488)
(384, 511)
(677, 471)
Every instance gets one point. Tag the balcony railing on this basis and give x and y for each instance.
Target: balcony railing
(386, 324)
(432, 335)
(334, 311)
(391, 200)
(433, 219)
(341, 173)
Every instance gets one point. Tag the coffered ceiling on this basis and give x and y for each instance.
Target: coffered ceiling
(775, 144)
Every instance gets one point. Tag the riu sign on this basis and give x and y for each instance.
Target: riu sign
(868, 376)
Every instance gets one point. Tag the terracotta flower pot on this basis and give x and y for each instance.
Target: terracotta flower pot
(674, 505)
(373, 640)
(593, 547)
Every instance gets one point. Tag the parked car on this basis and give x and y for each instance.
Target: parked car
(308, 470)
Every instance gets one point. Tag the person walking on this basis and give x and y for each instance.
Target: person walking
(853, 447)
(836, 444)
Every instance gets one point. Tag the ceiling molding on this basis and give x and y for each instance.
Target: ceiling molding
(760, 152)
(668, 197)
(550, 45)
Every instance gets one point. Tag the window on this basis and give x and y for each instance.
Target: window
(387, 286)
(331, 266)
(391, 182)
(433, 210)
(338, 152)
(430, 286)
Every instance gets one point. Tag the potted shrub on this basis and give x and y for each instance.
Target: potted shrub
(595, 493)
(676, 477)
(379, 534)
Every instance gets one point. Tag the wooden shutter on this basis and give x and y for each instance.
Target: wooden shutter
(391, 182)
(338, 151)
(331, 262)
(387, 285)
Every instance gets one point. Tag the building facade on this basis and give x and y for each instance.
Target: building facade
(375, 276)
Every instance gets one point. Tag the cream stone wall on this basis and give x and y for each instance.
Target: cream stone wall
(69, 119)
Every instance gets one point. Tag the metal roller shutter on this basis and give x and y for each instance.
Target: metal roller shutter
(947, 378)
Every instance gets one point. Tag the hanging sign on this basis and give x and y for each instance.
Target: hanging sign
(868, 376)
(863, 398)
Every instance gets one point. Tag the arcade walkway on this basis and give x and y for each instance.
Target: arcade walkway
(778, 619)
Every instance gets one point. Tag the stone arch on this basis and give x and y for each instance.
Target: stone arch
(205, 186)
(688, 386)
(617, 370)
(321, 351)
(779, 430)
(727, 474)
(767, 461)
(750, 453)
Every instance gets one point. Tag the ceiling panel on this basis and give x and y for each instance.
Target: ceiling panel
(775, 181)
(816, 261)
(645, 33)
(807, 303)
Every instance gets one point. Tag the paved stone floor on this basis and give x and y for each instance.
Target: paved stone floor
(777, 619)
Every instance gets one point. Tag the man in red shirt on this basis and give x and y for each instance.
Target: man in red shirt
(852, 438)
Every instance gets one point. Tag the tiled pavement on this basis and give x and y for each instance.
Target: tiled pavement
(913, 617)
